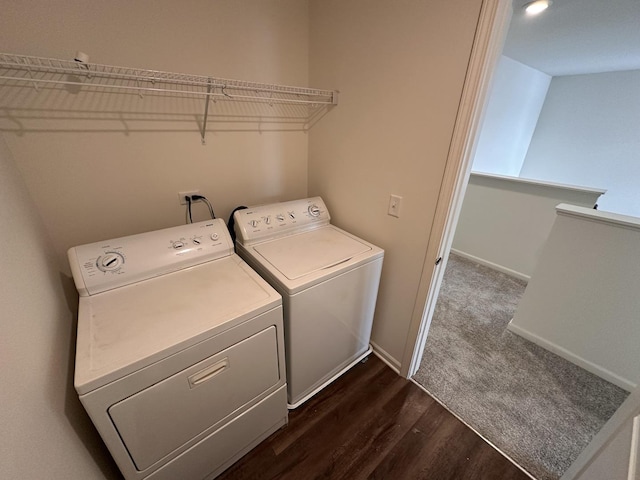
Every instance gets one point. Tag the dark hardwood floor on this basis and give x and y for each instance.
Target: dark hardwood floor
(373, 424)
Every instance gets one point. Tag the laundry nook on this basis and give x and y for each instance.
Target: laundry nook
(233, 231)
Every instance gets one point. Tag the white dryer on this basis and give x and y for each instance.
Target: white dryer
(180, 351)
(328, 280)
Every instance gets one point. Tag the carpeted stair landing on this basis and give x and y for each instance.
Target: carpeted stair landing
(538, 408)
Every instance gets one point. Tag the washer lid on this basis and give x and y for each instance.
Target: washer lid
(131, 327)
(296, 256)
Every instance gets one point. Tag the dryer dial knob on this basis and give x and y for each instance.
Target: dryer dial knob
(314, 210)
(110, 261)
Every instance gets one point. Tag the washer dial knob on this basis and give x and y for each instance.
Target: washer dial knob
(110, 261)
(254, 223)
(314, 210)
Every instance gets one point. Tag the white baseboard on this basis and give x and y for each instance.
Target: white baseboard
(494, 266)
(596, 369)
(391, 362)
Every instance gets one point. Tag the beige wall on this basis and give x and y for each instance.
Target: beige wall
(400, 67)
(45, 431)
(100, 165)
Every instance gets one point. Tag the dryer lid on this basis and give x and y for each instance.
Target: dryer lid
(299, 255)
(125, 329)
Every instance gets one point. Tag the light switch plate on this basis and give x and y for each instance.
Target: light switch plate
(395, 202)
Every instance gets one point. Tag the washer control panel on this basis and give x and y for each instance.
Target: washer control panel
(102, 266)
(263, 222)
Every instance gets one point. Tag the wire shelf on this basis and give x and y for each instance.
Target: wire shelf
(40, 71)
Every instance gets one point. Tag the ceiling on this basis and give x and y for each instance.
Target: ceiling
(577, 36)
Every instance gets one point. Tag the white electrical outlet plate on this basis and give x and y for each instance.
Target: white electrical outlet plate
(190, 193)
(395, 202)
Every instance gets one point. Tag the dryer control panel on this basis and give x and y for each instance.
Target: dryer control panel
(102, 266)
(263, 222)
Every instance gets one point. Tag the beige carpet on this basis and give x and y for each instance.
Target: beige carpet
(538, 408)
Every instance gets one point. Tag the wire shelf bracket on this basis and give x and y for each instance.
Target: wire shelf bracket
(39, 71)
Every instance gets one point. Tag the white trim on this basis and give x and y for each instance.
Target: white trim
(634, 456)
(383, 355)
(539, 183)
(594, 368)
(485, 52)
(491, 444)
(491, 265)
(608, 218)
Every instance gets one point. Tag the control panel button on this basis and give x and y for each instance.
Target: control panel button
(214, 236)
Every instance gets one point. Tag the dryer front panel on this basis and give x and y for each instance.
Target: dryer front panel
(160, 419)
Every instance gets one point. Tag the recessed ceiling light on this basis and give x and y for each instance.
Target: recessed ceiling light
(533, 8)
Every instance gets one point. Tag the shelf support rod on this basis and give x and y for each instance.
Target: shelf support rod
(206, 111)
(35, 85)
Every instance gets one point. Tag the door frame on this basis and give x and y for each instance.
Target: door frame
(608, 447)
(491, 31)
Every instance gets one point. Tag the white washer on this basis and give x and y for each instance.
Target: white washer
(180, 351)
(328, 280)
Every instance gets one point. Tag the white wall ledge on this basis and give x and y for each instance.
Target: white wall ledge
(505, 221)
(599, 216)
(539, 183)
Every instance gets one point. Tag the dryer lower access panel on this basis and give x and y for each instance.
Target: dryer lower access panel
(158, 420)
